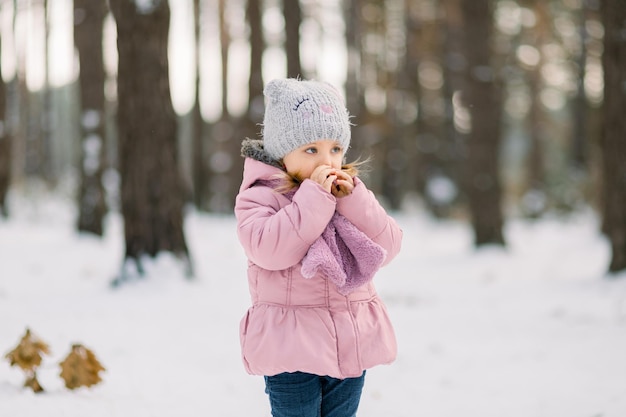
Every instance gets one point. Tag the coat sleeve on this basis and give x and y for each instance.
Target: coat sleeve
(275, 235)
(365, 212)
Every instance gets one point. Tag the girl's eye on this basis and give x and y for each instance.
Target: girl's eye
(337, 149)
(311, 150)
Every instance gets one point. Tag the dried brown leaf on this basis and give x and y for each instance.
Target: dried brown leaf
(80, 368)
(28, 353)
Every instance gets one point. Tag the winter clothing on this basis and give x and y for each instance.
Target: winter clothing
(300, 324)
(343, 253)
(299, 112)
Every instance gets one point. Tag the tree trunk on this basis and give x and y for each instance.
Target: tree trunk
(454, 67)
(434, 148)
(409, 85)
(293, 19)
(372, 124)
(152, 185)
(390, 79)
(254, 115)
(88, 24)
(225, 149)
(45, 170)
(534, 203)
(482, 96)
(257, 47)
(224, 47)
(200, 176)
(5, 146)
(613, 140)
(581, 108)
(354, 94)
(34, 104)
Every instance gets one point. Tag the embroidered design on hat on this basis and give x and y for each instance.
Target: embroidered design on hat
(300, 102)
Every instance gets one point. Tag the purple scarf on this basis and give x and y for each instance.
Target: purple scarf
(343, 253)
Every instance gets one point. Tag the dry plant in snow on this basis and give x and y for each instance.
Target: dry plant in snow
(28, 355)
(80, 368)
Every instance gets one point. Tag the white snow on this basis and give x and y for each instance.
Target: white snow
(536, 330)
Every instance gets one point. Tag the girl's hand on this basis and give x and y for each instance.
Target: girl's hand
(343, 185)
(325, 176)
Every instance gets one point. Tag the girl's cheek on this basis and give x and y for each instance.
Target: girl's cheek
(307, 173)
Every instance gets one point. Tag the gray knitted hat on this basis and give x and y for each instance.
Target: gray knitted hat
(299, 112)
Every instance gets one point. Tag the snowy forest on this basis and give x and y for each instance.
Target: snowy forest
(494, 133)
(482, 110)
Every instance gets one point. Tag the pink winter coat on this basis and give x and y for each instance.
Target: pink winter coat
(298, 324)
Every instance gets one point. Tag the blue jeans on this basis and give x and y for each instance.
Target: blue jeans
(300, 394)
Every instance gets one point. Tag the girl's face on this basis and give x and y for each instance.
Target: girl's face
(302, 161)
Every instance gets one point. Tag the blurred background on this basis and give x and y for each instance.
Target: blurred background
(474, 110)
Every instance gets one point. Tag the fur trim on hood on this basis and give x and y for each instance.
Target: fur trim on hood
(253, 148)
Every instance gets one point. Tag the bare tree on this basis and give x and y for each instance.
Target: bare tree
(45, 169)
(200, 171)
(152, 186)
(482, 96)
(254, 115)
(293, 18)
(35, 108)
(354, 94)
(613, 144)
(5, 146)
(257, 47)
(454, 65)
(88, 25)
(579, 157)
(367, 77)
(534, 205)
(434, 148)
(224, 47)
(225, 148)
(392, 60)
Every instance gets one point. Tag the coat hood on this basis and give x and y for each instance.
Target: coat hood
(253, 148)
(259, 166)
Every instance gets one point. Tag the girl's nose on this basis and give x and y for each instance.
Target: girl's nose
(326, 158)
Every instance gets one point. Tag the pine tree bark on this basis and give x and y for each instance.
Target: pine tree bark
(88, 25)
(613, 142)
(482, 96)
(152, 191)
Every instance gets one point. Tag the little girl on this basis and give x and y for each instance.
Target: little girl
(314, 236)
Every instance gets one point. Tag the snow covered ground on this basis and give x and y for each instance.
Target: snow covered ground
(535, 330)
